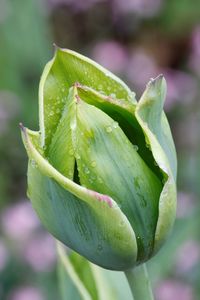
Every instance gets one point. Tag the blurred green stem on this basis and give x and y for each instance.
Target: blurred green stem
(139, 283)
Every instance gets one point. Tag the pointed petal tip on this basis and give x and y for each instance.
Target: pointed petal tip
(154, 81)
(21, 126)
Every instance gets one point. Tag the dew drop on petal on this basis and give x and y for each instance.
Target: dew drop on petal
(99, 247)
(71, 152)
(109, 129)
(115, 125)
(100, 180)
(93, 164)
(86, 170)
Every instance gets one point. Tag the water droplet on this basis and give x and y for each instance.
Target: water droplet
(33, 163)
(113, 95)
(86, 170)
(51, 113)
(115, 125)
(71, 152)
(70, 173)
(93, 164)
(99, 247)
(78, 156)
(143, 202)
(121, 223)
(136, 147)
(91, 180)
(100, 180)
(109, 129)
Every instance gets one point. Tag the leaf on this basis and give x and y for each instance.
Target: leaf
(149, 113)
(83, 219)
(78, 277)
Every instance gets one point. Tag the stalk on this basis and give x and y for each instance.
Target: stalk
(139, 283)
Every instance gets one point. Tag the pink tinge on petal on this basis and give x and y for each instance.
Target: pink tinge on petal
(173, 290)
(101, 198)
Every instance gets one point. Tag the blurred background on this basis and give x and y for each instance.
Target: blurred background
(137, 40)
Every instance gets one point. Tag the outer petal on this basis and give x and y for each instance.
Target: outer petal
(66, 68)
(149, 113)
(109, 163)
(88, 222)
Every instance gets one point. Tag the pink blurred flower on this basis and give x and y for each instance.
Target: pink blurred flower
(144, 8)
(188, 255)
(181, 87)
(194, 59)
(77, 5)
(19, 220)
(3, 255)
(186, 204)
(141, 67)
(111, 55)
(171, 289)
(26, 293)
(40, 252)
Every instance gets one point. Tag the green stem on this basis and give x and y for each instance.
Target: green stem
(139, 283)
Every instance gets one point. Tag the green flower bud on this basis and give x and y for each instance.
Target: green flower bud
(102, 168)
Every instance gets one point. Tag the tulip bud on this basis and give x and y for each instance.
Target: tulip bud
(102, 168)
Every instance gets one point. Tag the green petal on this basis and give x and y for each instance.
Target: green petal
(123, 113)
(60, 153)
(109, 163)
(149, 113)
(88, 222)
(66, 68)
